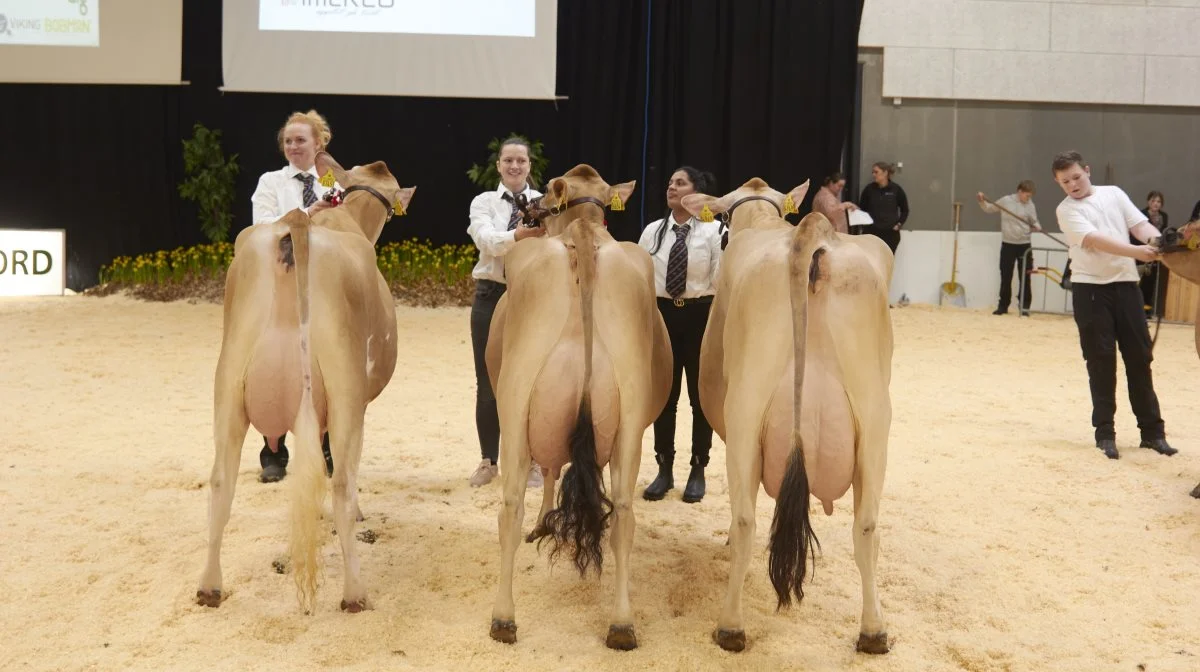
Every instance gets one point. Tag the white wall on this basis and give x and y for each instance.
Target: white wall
(924, 258)
(1136, 52)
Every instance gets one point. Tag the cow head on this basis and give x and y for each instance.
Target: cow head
(381, 193)
(736, 209)
(579, 194)
(1180, 250)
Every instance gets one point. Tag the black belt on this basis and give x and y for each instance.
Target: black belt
(679, 303)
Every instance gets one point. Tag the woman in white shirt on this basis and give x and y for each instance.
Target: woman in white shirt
(495, 228)
(279, 192)
(686, 254)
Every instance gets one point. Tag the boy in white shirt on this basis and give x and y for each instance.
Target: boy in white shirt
(1097, 221)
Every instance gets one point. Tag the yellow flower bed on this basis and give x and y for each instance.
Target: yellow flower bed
(414, 269)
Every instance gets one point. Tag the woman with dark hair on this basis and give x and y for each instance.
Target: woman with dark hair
(1153, 281)
(494, 227)
(886, 203)
(686, 254)
(828, 201)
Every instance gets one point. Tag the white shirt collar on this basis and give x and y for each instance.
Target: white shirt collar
(501, 190)
(291, 171)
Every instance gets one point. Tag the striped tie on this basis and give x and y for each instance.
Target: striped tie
(677, 262)
(309, 196)
(515, 216)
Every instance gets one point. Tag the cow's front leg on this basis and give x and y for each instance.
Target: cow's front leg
(623, 472)
(229, 431)
(868, 488)
(346, 439)
(514, 470)
(743, 464)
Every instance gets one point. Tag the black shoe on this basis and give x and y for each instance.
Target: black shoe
(1109, 448)
(1160, 446)
(999, 312)
(274, 464)
(663, 482)
(694, 491)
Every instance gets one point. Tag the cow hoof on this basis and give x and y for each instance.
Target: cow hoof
(208, 598)
(504, 632)
(1196, 492)
(876, 644)
(730, 640)
(354, 607)
(621, 638)
(537, 533)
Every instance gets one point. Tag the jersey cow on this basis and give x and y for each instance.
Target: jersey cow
(795, 367)
(579, 358)
(309, 340)
(1179, 252)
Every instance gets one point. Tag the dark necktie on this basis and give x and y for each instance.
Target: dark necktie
(677, 262)
(310, 197)
(515, 216)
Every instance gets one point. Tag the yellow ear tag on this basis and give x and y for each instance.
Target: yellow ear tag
(706, 215)
(616, 203)
(398, 208)
(327, 179)
(789, 206)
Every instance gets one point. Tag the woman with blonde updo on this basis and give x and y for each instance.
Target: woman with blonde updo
(296, 185)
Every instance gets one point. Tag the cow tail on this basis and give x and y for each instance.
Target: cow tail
(792, 537)
(307, 475)
(579, 520)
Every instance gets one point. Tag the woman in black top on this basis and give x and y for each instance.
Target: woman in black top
(886, 203)
(1153, 283)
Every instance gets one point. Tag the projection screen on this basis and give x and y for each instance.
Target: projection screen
(91, 42)
(440, 48)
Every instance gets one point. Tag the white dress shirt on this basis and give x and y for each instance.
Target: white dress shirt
(703, 258)
(279, 192)
(489, 229)
(1106, 212)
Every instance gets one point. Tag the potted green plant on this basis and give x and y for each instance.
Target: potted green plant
(487, 177)
(210, 181)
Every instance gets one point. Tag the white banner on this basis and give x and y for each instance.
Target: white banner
(494, 18)
(62, 23)
(33, 262)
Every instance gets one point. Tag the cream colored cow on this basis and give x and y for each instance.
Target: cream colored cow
(797, 309)
(580, 360)
(1182, 258)
(309, 340)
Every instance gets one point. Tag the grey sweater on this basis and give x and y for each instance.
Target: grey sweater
(1013, 230)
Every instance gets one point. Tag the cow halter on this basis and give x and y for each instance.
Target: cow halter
(391, 211)
(727, 216)
(561, 207)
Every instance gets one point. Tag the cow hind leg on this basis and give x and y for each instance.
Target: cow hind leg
(514, 470)
(540, 530)
(346, 439)
(744, 466)
(868, 487)
(623, 476)
(229, 434)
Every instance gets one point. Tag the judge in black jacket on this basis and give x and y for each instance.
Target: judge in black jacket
(886, 203)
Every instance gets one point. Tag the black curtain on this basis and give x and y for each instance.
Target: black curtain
(742, 88)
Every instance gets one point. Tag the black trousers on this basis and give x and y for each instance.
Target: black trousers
(887, 233)
(1021, 255)
(1111, 317)
(487, 420)
(685, 328)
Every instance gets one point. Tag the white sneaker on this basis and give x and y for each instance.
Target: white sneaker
(484, 473)
(535, 476)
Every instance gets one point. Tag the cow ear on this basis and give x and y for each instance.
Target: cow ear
(403, 198)
(703, 207)
(791, 202)
(556, 193)
(618, 194)
(327, 167)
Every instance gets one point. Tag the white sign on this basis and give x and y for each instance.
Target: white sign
(498, 18)
(62, 23)
(33, 262)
